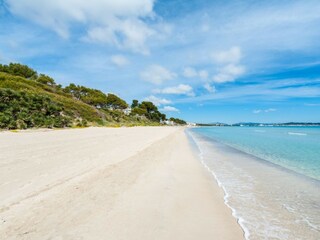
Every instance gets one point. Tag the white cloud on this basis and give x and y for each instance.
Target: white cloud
(270, 110)
(157, 101)
(135, 34)
(181, 89)
(233, 55)
(209, 88)
(229, 67)
(279, 90)
(169, 109)
(257, 111)
(203, 74)
(189, 72)
(113, 22)
(119, 60)
(157, 74)
(228, 73)
(265, 110)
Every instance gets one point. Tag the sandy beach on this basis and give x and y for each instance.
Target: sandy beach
(108, 183)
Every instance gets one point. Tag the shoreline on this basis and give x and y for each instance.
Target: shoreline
(226, 195)
(114, 183)
(282, 202)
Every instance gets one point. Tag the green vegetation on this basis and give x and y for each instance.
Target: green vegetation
(26, 110)
(114, 102)
(148, 110)
(89, 96)
(17, 69)
(32, 100)
(178, 121)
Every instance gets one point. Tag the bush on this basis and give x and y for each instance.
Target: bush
(21, 110)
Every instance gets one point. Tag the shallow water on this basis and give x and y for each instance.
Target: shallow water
(270, 201)
(295, 148)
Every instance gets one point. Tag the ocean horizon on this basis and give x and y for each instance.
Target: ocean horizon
(270, 177)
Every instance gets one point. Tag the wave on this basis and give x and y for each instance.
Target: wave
(239, 219)
(297, 133)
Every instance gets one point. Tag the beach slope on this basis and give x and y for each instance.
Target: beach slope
(104, 183)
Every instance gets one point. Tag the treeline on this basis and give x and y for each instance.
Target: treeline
(147, 109)
(29, 99)
(95, 97)
(177, 121)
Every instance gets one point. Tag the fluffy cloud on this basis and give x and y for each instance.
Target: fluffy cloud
(229, 67)
(233, 55)
(135, 34)
(265, 110)
(157, 101)
(189, 72)
(181, 89)
(209, 88)
(157, 74)
(169, 109)
(228, 73)
(203, 74)
(113, 22)
(119, 60)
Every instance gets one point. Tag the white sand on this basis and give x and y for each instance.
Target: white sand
(103, 183)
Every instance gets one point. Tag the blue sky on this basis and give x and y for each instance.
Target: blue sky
(203, 61)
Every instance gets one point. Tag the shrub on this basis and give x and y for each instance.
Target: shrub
(21, 110)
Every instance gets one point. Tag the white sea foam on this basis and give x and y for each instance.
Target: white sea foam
(297, 133)
(239, 219)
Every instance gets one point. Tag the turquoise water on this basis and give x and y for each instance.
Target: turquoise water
(270, 177)
(295, 148)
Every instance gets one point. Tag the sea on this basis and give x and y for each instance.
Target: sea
(270, 177)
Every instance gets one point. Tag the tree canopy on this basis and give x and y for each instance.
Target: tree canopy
(89, 96)
(18, 69)
(149, 110)
(135, 103)
(114, 102)
(44, 79)
(178, 121)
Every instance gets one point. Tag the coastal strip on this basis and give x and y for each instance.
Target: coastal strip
(108, 183)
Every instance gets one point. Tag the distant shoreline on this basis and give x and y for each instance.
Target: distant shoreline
(259, 125)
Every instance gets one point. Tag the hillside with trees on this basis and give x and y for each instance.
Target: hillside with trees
(32, 100)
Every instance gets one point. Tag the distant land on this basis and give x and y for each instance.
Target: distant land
(253, 124)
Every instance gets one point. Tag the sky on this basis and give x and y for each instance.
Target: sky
(199, 60)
